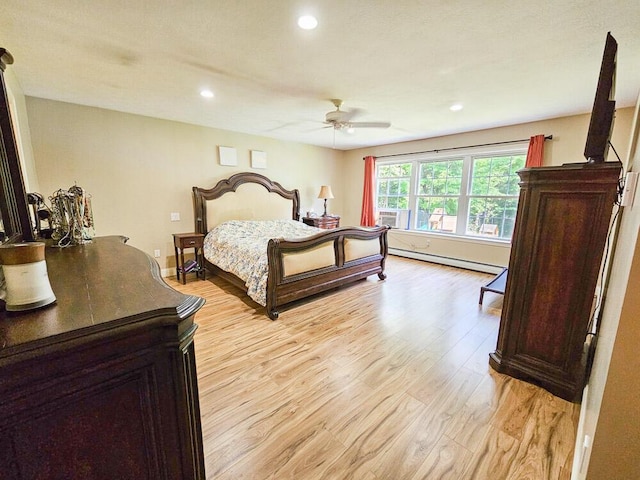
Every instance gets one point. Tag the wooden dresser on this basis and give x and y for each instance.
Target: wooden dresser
(560, 234)
(102, 384)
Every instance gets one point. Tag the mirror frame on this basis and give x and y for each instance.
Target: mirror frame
(13, 198)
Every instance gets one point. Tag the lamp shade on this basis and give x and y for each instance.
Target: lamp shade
(325, 192)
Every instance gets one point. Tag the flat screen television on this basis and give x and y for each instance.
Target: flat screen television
(602, 114)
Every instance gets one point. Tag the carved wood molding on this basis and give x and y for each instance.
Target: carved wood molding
(231, 184)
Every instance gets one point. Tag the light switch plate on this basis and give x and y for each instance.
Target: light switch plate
(175, 217)
(630, 184)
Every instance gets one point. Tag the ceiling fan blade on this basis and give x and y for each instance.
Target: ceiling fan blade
(341, 119)
(319, 127)
(369, 124)
(349, 114)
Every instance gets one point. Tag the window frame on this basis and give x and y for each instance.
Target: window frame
(463, 188)
(387, 195)
(468, 155)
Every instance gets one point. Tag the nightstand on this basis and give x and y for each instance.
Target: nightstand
(327, 222)
(189, 240)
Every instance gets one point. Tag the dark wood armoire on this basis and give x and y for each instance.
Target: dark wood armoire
(563, 219)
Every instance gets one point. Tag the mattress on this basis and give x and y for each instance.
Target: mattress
(240, 247)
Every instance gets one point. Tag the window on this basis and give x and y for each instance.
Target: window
(474, 194)
(393, 188)
(438, 194)
(493, 196)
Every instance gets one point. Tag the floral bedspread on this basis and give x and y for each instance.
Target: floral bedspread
(240, 247)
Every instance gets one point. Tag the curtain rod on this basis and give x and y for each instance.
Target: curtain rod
(547, 137)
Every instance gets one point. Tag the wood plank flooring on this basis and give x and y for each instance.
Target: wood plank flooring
(377, 380)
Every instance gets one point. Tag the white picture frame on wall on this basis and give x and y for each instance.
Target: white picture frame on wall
(228, 156)
(258, 159)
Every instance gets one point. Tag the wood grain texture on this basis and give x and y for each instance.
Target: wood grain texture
(371, 381)
(563, 219)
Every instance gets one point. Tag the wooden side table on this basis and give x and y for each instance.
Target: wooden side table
(327, 222)
(189, 240)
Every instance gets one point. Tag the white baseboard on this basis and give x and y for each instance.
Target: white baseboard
(451, 262)
(168, 272)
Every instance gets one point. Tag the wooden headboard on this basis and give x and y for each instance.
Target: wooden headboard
(255, 204)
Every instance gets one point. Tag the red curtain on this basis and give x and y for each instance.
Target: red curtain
(368, 217)
(535, 154)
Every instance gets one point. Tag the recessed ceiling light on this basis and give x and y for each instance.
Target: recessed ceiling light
(206, 93)
(307, 22)
(456, 107)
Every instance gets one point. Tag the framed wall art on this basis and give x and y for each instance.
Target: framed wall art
(228, 156)
(258, 159)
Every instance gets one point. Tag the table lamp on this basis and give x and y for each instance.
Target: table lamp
(325, 192)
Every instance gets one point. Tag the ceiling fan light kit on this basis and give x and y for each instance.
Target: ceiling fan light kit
(341, 119)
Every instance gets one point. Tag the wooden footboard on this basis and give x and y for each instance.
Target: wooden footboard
(297, 268)
(304, 267)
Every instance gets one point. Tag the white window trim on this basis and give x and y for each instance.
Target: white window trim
(467, 154)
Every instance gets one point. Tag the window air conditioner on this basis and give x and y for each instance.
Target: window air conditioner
(394, 218)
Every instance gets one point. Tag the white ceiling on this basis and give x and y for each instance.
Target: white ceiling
(401, 61)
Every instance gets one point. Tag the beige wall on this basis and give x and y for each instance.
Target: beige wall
(610, 415)
(616, 445)
(567, 146)
(140, 169)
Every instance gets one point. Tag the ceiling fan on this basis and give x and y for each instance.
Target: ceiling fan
(341, 119)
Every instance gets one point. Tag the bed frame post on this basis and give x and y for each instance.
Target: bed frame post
(274, 274)
(199, 212)
(296, 205)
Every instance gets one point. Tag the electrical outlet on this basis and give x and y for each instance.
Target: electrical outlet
(156, 253)
(175, 216)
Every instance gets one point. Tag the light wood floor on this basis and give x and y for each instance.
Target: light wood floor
(378, 380)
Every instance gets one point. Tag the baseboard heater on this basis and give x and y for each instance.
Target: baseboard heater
(451, 262)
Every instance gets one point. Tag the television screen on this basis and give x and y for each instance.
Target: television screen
(601, 124)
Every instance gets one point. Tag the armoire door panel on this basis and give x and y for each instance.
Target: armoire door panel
(562, 222)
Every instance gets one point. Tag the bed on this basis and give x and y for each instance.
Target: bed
(295, 268)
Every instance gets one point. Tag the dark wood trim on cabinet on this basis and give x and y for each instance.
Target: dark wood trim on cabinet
(559, 239)
(13, 198)
(326, 222)
(102, 384)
